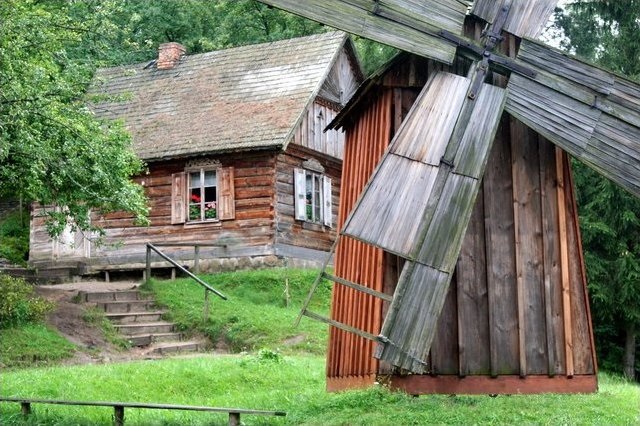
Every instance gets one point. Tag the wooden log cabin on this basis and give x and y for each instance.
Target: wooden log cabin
(516, 317)
(236, 155)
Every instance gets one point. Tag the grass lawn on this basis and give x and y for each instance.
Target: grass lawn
(256, 315)
(32, 345)
(284, 369)
(292, 383)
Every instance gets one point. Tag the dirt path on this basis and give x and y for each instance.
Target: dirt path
(68, 319)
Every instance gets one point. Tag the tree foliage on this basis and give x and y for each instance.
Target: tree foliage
(52, 149)
(606, 32)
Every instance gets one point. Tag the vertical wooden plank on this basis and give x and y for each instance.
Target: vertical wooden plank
(473, 309)
(444, 350)
(564, 263)
(517, 136)
(531, 246)
(500, 254)
(583, 360)
(552, 258)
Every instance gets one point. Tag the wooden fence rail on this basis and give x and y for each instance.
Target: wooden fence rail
(118, 408)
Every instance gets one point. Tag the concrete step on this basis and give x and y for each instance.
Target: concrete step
(134, 317)
(107, 296)
(148, 339)
(175, 347)
(145, 328)
(120, 306)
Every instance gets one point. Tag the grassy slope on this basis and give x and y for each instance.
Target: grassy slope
(294, 384)
(32, 345)
(255, 315)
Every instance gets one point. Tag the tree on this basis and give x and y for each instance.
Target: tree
(606, 32)
(52, 149)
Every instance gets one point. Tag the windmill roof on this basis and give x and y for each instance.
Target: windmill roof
(237, 99)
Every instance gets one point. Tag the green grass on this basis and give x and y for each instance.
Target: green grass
(96, 317)
(291, 383)
(32, 345)
(256, 315)
(14, 237)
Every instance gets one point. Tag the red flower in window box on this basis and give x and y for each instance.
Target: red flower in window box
(195, 198)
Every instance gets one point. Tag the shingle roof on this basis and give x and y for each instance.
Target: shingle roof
(236, 99)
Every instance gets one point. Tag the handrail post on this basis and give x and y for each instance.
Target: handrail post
(206, 305)
(148, 269)
(196, 259)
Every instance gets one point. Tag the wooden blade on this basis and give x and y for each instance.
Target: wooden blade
(418, 205)
(526, 18)
(409, 25)
(589, 112)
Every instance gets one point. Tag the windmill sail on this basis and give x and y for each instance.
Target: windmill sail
(409, 25)
(526, 19)
(418, 206)
(591, 113)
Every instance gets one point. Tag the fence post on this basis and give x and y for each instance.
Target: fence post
(118, 415)
(25, 407)
(147, 277)
(234, 419)
(196, 260)
(206, 305)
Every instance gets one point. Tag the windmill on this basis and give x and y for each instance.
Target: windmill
(444, 143)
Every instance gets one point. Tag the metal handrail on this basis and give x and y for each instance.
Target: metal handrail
(180, 267)
(207, 287)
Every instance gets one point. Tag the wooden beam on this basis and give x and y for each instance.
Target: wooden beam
(342, 326)
(401, 27)
(358, 287)
(417, 384)
(564, 264)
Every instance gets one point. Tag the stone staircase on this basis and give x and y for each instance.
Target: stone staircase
(138, 320)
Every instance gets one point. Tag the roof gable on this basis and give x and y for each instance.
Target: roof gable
(243, 98)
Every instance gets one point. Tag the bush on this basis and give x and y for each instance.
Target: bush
(14, 238)
(19, 304)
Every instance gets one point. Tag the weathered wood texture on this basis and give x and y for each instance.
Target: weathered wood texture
(477, 334)
(479, 385)
(526, 18)
(343, 79)
(591, 113)
(310, 132)
(393, 213)
(295, 232)
(405, 24)
(349, 355)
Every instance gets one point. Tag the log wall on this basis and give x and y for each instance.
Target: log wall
(296, 234)
(251, 233)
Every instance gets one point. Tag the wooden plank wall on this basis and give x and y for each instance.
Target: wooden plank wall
(294, 232)
(250, 233)
(310, 133)
(349, 360)
(519, 288)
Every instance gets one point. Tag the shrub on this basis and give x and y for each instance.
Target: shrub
(19, 304)
(14, 238)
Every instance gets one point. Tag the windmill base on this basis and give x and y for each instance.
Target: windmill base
(471, 385)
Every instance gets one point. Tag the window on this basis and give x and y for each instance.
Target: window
(202, 194)
(312, 197)
(203, 197)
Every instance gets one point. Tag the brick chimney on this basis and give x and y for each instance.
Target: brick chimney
(169, 55)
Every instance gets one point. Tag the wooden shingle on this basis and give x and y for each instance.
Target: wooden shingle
(238, 99)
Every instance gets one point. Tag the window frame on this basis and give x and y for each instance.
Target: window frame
(202, 202)
(321, 192)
